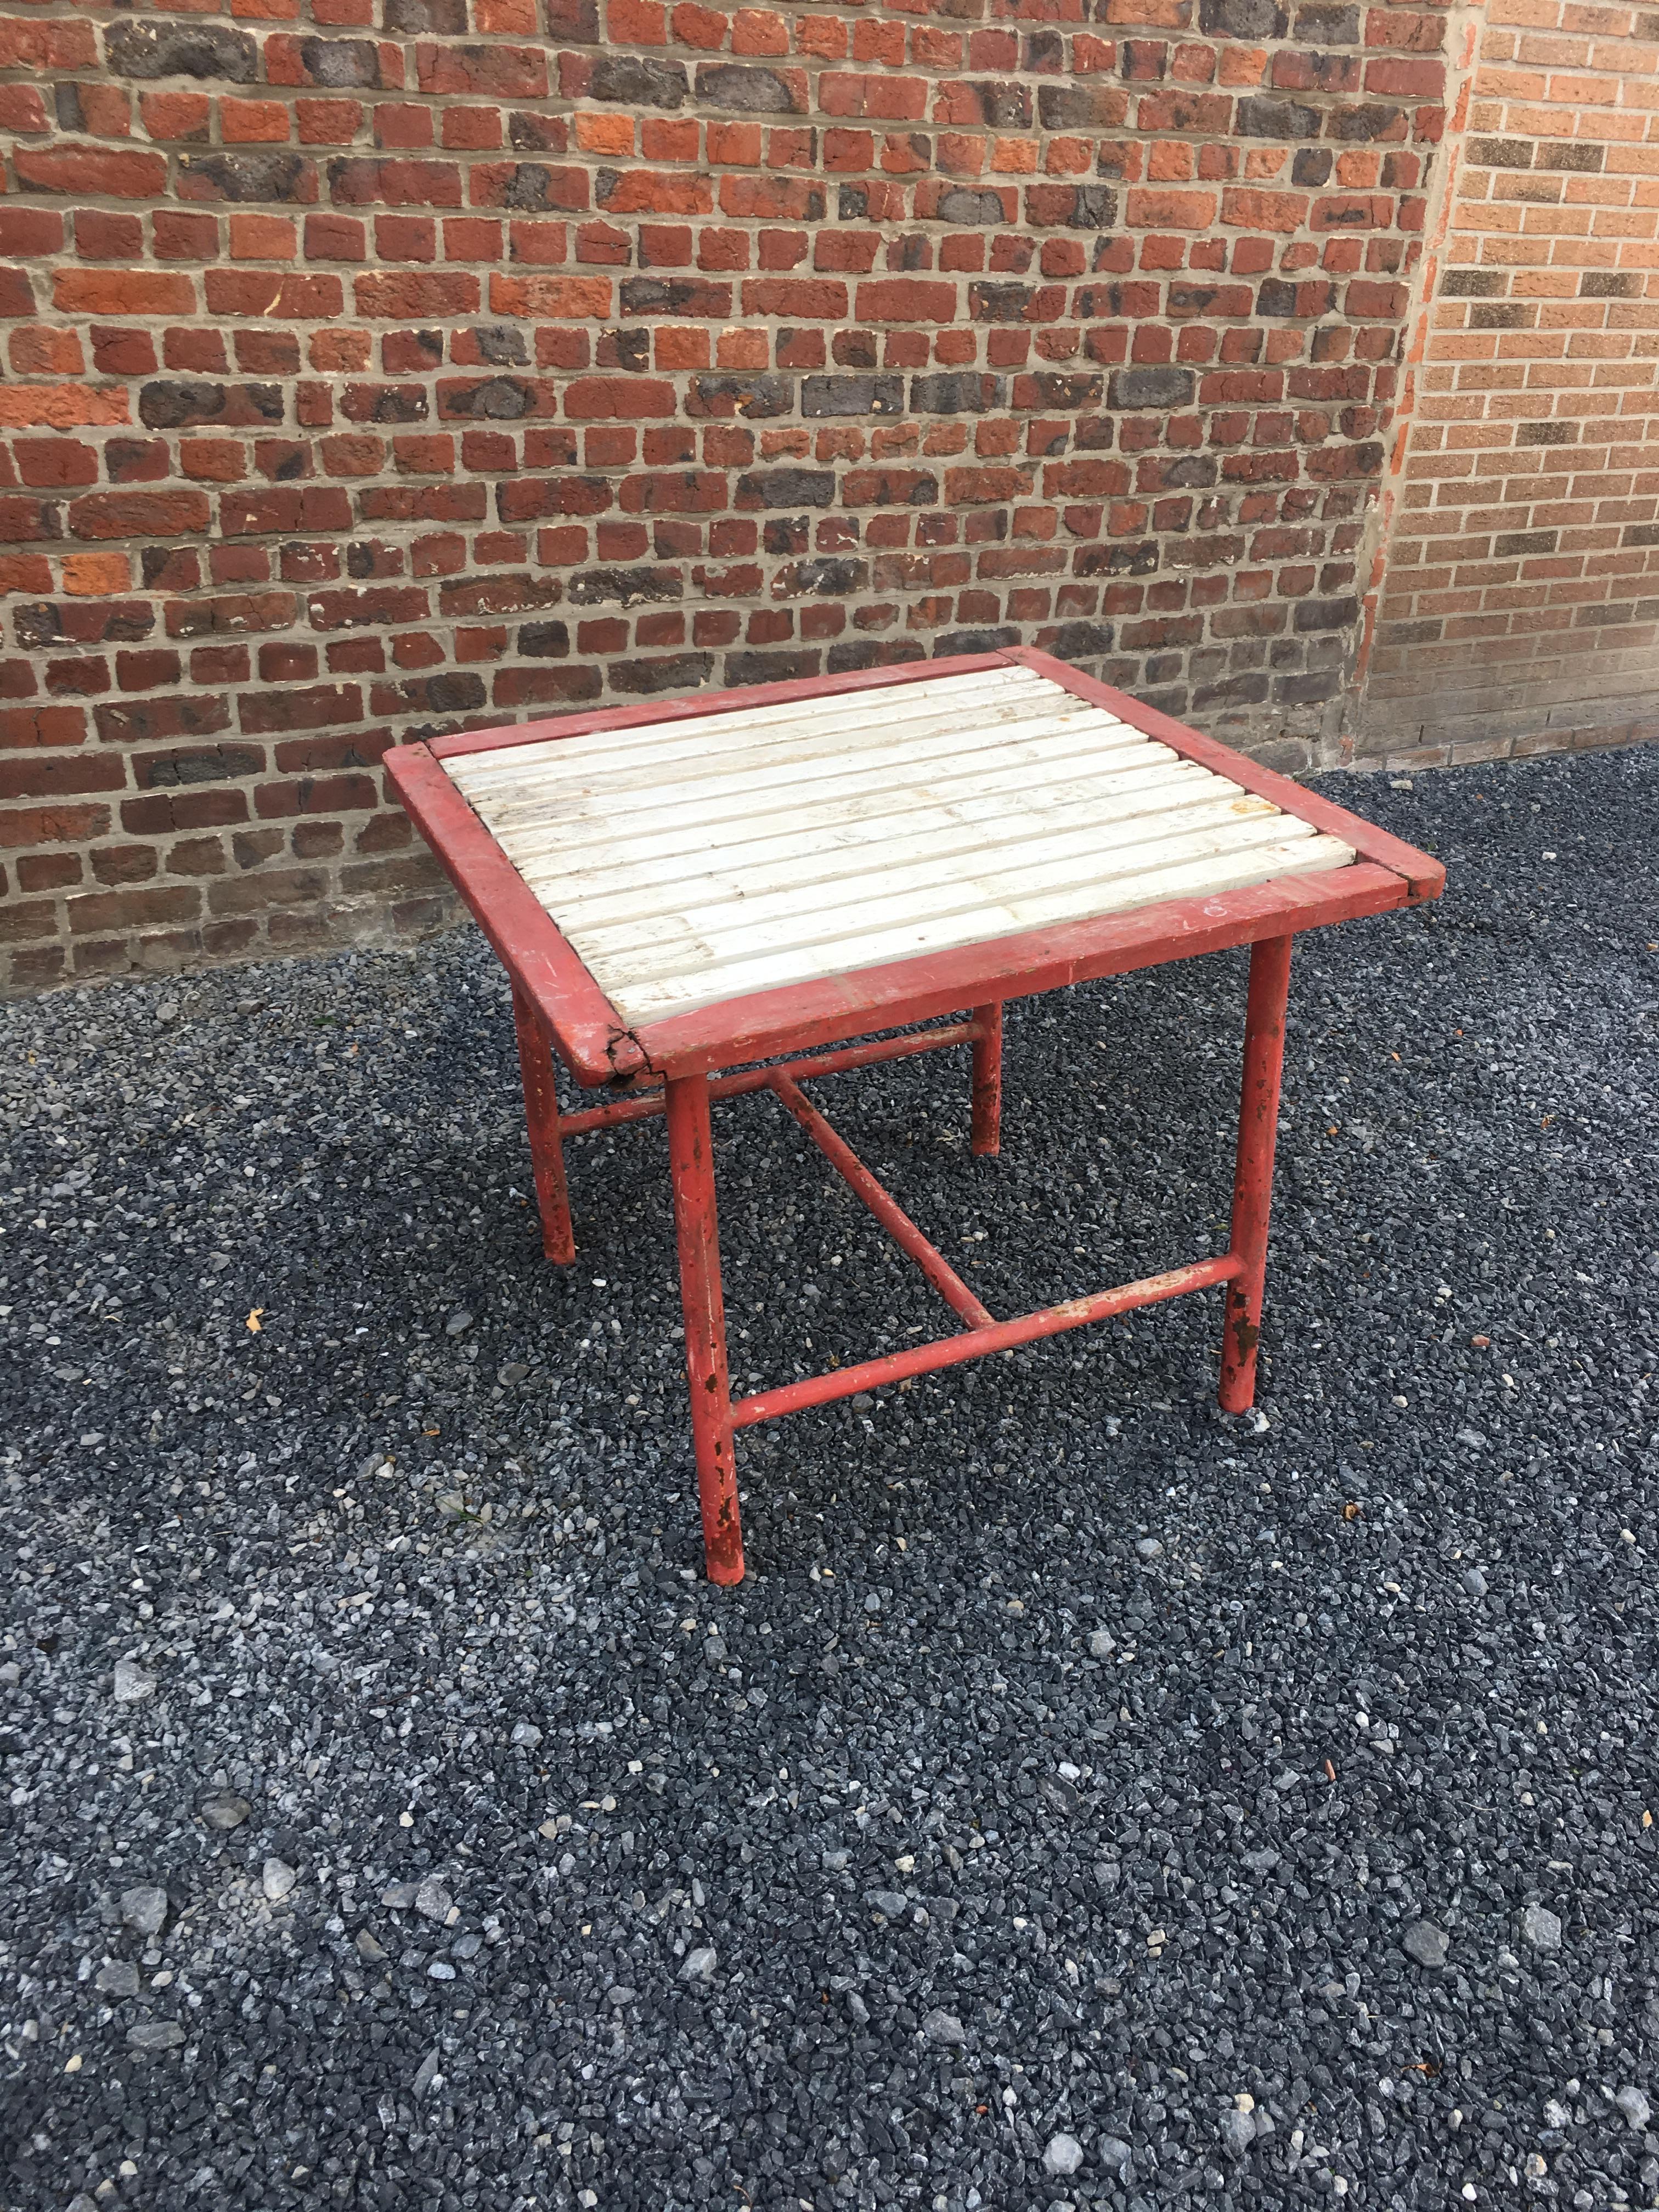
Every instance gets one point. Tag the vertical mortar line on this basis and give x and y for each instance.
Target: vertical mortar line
(1464, 24)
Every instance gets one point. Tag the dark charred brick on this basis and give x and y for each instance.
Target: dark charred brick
(1122, 558)
(1094, 207)
(497, 399)
(830, 578)
(342, 65)
(1473, 284)
(1159, 385)
(675, 671)
(1358, 126)
(501, 345)
(770, 667)
(1640, 533)
(1323, 25)
(537, 134)
(1003, 105)
(854, 654)
(1310, 689)
(146, 51)
(999, 303)
(193, 405)
(1578, 154)
(445, 18)
(1501, 153)
(1077, 106)
(1275, 296)
(757, 398)
(1610, 284)
(785, 488)
(749, 91)
(676, 295)
(1243, 19)
(627, 586)
(1545, 434)
(1261, 118)
(209, 764)
(530, 190)
(853, 202)
(968, 205)
(852, 395)
(1326, 614)
(1189, 472)
(1311, 166)
(639, 83)
(1083, 641)
(544, 641)
(1249, 689)
(1510, 544)
(247, 179)
(973, 640)
(786, 535)
(1503, 315)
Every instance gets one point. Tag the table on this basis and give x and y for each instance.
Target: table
(685, 887)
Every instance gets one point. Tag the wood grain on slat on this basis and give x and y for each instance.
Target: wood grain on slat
(564, 757)
(647, 1002)
(827, 859)
(693, 860)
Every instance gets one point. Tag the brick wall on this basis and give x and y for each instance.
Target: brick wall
(1519, 600)
(379, 366)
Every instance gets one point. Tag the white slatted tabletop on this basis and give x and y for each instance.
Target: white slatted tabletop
(689, 861)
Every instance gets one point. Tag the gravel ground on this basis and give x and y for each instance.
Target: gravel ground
(1087, 1800)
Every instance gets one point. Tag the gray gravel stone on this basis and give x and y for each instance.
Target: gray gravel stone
(132, 1683)
(1541, 1928)
(1426, 1943)
(278, 1878)
(118, 1978)
(144, 1908)
(155, 2035)
(944, 2027)
(1633, 2104)
(224, 1810)
(699, 1965)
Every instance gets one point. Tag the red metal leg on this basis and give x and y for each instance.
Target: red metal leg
(691, 1164)
(987, 1079)
(541, 1113)
(1253, 1177)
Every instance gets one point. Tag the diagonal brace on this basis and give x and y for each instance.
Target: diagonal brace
(892, 1217)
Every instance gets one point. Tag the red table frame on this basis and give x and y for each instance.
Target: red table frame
(673, 1064)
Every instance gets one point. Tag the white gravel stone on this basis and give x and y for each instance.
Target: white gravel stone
(1064, 2154)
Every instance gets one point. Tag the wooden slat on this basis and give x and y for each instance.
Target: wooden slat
(1024, 774)
(826, 857)
(788, 769)
(564, 759)
(1081, 869)
(643, 1000)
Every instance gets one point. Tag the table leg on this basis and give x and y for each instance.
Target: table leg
(988, 1079)
(541, 1114)
(1252, 1176)
(691, 1164)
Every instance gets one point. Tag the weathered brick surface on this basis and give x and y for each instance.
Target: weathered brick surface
(1519, 599)
(376, 366)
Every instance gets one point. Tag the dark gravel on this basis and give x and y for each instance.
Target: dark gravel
(1086, 1800)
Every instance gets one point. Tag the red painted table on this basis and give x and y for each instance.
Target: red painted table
(679, 888)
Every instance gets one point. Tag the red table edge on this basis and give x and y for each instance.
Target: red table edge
(593, 1037)
(599, 1047)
